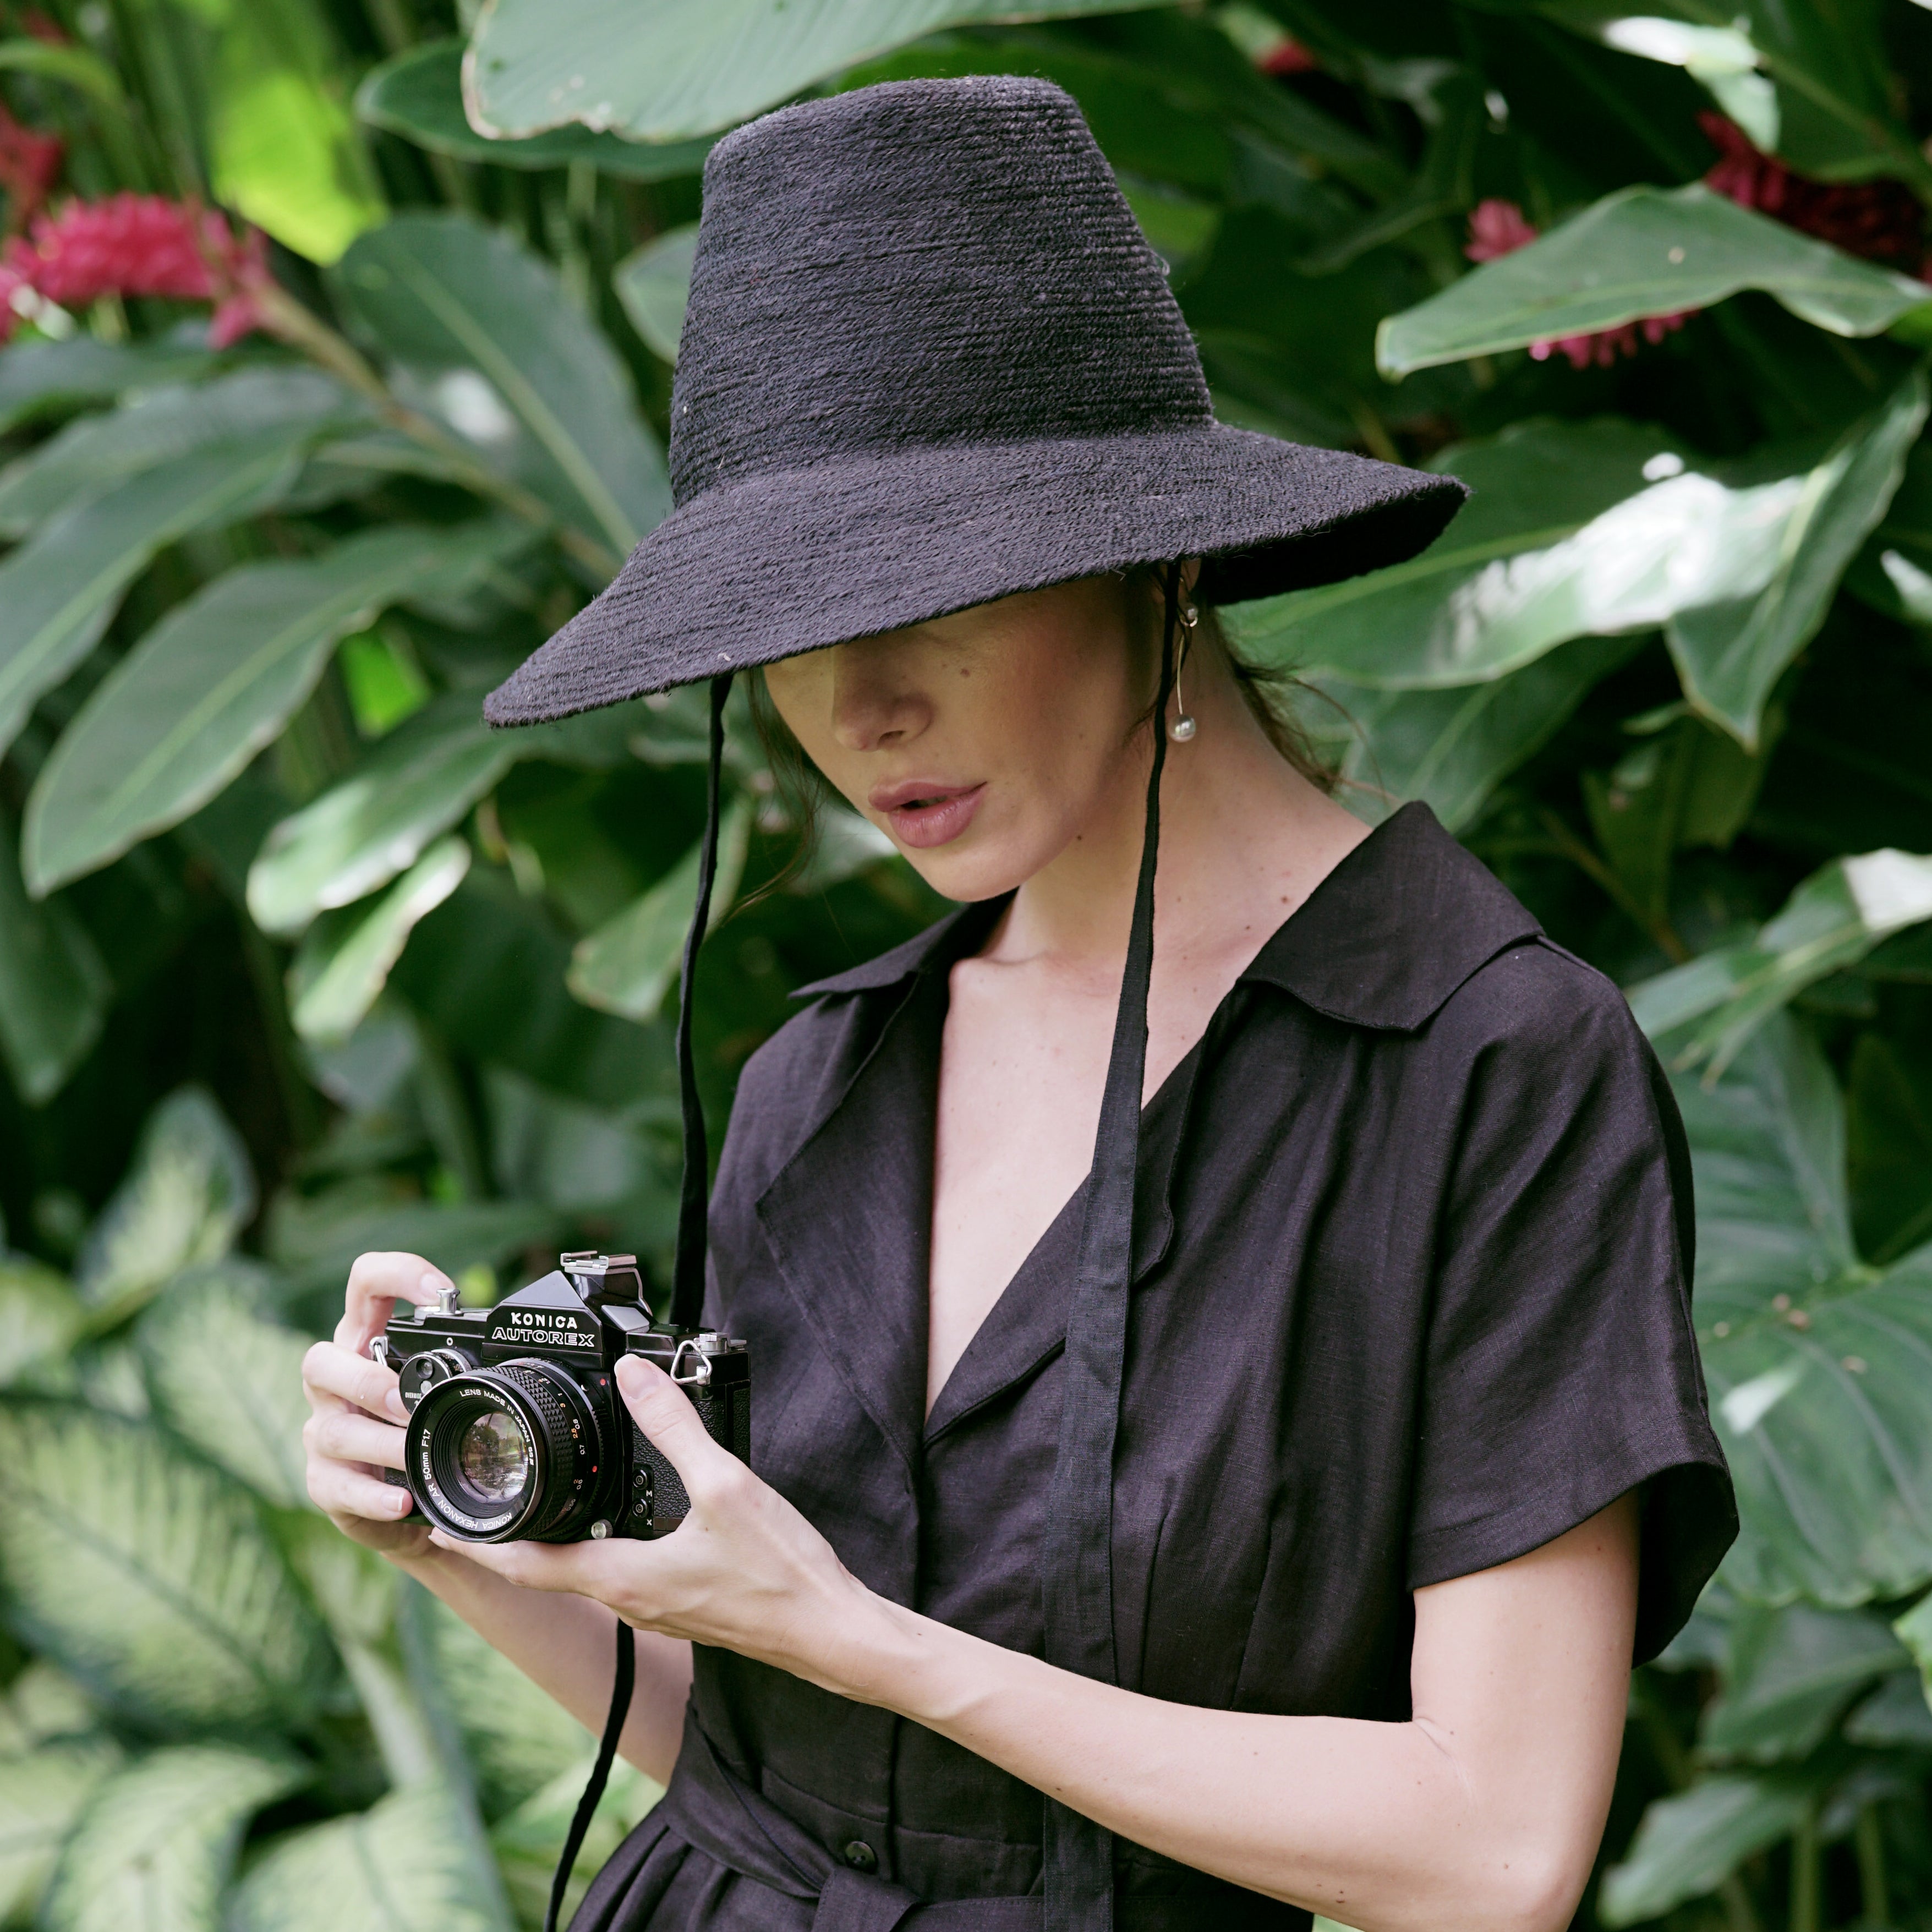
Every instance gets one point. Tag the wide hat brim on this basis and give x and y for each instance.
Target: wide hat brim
(776, 564)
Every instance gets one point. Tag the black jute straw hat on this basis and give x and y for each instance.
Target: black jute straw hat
(929, 361)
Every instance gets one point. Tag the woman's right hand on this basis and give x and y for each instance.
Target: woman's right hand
(356, 1426)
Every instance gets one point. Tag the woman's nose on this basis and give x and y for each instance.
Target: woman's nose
(872, 706)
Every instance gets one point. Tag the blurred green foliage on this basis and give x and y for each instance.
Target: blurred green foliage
(296, 959)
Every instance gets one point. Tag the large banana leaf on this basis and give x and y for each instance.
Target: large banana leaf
(406, 1865)
(189, 1191)
(1819, 1368)
(249, 1417)
(211, 685)
(161, 426)
(1642, 251)
(153, 1846)
(537, 389)
(59, 588)
(376, 824)
(693, 66)
(418, 95)
(148, 1574)
(1832, 920)
(654, 285)
(41, 1794)
(54, 988)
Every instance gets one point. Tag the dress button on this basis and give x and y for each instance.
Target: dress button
(861, 1857)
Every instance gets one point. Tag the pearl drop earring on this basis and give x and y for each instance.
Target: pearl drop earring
(1184, 727)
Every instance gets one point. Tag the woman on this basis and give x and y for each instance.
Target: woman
(1265, 1520)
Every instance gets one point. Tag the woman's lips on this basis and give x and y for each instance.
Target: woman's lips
(923, 815)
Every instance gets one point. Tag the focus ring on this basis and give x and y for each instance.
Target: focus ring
(571, 1441)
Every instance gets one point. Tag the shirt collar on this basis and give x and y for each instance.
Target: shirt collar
(1381, 942)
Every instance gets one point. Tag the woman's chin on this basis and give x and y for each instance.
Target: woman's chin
(969, 869)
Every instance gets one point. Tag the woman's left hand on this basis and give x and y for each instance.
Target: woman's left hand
(744, 1571)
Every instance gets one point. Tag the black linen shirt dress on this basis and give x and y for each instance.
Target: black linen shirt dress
(1411, 1297)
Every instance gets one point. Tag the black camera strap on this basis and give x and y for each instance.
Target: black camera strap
(600, 1772)
(687, 1292)
(1078, 1551)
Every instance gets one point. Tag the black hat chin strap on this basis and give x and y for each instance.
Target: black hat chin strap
(687, 1291)
(1077, 1555)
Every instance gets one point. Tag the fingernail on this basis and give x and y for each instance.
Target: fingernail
(630, 1371)
(433, 1284)
(402, 1502)
(393, 1402)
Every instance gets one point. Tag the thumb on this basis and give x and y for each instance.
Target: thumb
(664, 1413)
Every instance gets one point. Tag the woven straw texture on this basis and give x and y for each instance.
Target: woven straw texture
(929, 361)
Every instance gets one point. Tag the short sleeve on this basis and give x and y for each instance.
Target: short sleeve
(1560, 1368)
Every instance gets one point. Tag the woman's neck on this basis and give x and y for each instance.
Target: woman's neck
(1244, 838)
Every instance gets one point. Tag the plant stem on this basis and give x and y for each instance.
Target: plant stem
(1868, 1840)
(1574, 849)
(1806, 1859)
(1738, 1910)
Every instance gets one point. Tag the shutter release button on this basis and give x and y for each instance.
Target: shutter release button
(861, 1857)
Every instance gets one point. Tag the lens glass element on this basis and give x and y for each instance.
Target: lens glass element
(491, 1458)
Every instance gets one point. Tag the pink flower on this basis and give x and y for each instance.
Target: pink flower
(30, 164)
(1498, 228)
(1287, 57)
(1880, 221)
(136, 245)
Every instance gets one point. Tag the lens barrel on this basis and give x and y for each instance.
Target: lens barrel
(512, 1453)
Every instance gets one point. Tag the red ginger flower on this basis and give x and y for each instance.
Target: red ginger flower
(30, 163)
(1287, 57)
(1498, 227)
(137, 245)
(1879, 220)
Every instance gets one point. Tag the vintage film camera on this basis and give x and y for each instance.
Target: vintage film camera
(517, 1432)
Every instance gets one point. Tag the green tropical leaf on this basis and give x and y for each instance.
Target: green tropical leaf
(54, 989)
(44, 379)
(1426, 623)
(153, 1846)
(1453, 748)
(1789, 1675)
(41, 1795)
(59, 588)
(535, 65)
(340, 970)
(627, 966)
(654, 285)
(284, 152)
(530, 1840)
(40, 1705)
(189, 1191)
(1641, 251)
(249, 1417)
(316, 1241)
(147, 1575)
(1832, 920)
(1688, 1845)
(1730, 650)
(418, 95)
(1819, 1369)
(211, 685)
(514, 366)
(405, 1865)
(376, 824)
(40, 1316)
(161, 426)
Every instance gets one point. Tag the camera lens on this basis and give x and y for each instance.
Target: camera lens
(491, 1457)
(511, 1452)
